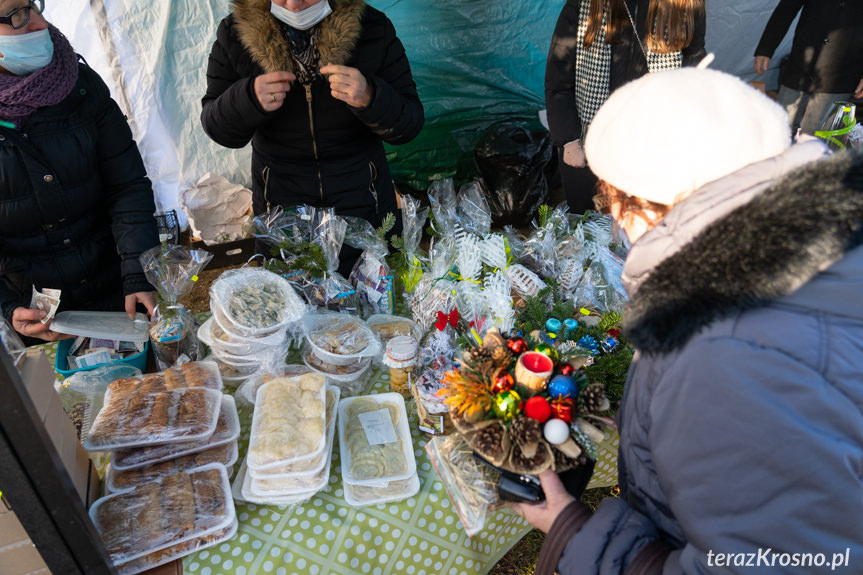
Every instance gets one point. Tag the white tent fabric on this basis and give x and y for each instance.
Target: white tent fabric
(153, 56)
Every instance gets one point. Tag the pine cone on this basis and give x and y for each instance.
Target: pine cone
(527, 462)
(524, 430)
(592, 399)
(488, 441)
(502, 357)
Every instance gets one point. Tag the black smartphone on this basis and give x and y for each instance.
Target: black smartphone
(515, 487)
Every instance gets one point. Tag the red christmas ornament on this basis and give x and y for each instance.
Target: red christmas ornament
(503, 382)
(562, 409)
(613, 332)
(538, 408)
(566, 369)
(517, 345)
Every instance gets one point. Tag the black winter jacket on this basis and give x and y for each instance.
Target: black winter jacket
(314, 149)
(76, 206)
(827, 52)
(627, 64)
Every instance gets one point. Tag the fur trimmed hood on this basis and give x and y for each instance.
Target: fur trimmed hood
(260, 33)
(765, 249)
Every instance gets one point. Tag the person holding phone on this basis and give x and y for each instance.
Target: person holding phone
(741, 426)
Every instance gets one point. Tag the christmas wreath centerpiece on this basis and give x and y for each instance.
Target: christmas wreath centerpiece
(522, 409)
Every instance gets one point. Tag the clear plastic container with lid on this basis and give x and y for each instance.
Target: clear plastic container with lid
(401, 358)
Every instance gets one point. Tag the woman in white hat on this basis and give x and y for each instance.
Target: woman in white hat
(742, 423)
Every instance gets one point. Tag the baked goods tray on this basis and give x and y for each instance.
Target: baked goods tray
(116, 481)
(244, 495)
(289, 422)
(134, 418)
(168, 554)
(375, 439)
(161, 514)
(227, 430)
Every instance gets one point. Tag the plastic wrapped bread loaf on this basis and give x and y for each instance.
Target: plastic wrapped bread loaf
(225, 454)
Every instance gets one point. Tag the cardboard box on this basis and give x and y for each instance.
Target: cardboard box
(227, 254)
(38, 376)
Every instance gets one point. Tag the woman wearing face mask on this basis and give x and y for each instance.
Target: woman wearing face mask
(76, 207)
(741, 429)
(316, 86)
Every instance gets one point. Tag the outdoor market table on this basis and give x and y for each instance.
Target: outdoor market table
(421, 535)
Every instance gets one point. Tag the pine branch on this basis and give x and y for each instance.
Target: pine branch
(387, 224)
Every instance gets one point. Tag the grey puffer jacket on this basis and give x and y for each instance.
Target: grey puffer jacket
(742, 424)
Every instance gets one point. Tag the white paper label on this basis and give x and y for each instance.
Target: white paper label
(378, 427)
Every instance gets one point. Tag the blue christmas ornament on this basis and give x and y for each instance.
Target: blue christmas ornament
(588, 343)
(553, 325)
(608, 344)
(569, 326)
(562, 386)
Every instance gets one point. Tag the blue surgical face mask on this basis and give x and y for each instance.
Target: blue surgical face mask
(25, 53)
(304, 19)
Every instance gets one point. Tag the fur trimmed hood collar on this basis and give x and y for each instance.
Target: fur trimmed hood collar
(260, 33)
(757, 243)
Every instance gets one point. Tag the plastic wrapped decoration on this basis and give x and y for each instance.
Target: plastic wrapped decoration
(498, 301)
(333, 291)
(600, 286)
(473, 212)
(541, 247)
(173, 271)
(471, 486)
(370, 276)
(286, 236)
(444, 206)
(433, 293)
(413, 220)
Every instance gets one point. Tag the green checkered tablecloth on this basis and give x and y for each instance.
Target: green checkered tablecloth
(421, 535)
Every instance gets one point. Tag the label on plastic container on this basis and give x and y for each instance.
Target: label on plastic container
(378, 426)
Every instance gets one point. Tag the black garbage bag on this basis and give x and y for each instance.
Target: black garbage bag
(511, 161)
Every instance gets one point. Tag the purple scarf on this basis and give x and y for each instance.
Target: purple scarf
(20, 96)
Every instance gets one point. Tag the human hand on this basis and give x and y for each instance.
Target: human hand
(542, 515)
(28, 322)
(147, 298)
(271, 89)
(858, 93)
(348, 85)
(573, 154)
(761, 64)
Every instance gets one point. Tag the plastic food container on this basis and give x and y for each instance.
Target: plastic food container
(218, 341)
(124, 480)
(339, 339)
(388, 326)
(289, 422)
(130, 418)
(176, 551)
(227, 431)
(375, 440)
(361, 495)
(309, 467)
(161, 514)
(254, 302)
(241, 494)
(101, 325)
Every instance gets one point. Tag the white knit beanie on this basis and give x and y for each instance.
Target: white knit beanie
(663, 136)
